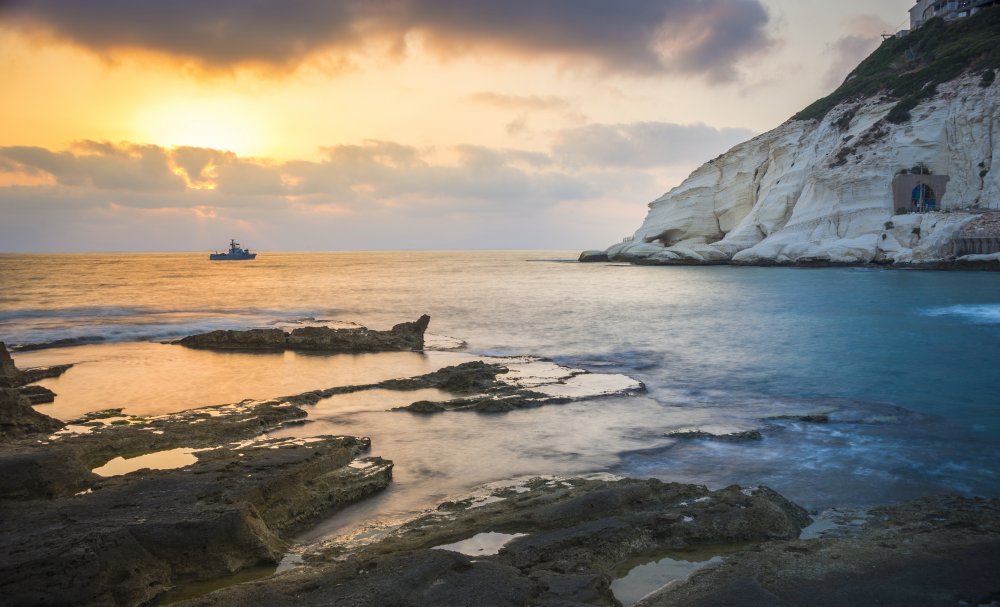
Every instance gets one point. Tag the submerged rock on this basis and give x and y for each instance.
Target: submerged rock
(402, 337)
(490, 388)
(745, 435)
(817, 418)
(425, 406)
(66, 342)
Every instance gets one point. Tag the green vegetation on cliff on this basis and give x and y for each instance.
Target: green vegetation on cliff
(911, 68)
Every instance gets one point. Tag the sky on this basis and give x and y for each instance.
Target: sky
(175, 125)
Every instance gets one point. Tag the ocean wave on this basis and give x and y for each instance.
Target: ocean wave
(126, 311)
(33, 329)
(980, 314)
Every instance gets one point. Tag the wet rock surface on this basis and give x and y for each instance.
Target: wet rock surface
(942, 550)
(744, 435)
(485, 387)
(37, 395)
(493, 388)
(19, 420)
(69, 536)
(576, 533)
(402, 337)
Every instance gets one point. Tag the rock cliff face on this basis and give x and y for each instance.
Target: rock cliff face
(821, 191)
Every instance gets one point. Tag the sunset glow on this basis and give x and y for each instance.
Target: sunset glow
(439, 117)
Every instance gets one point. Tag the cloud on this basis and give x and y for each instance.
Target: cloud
(521, 102)
(848, 51)
(645, 144)
(696, 37)
(375, 194)
(352, 176)
(99, 165)
(380, 172)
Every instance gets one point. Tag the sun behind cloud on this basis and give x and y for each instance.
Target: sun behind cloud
(220, 123)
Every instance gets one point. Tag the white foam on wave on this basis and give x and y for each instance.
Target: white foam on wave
(980, 314)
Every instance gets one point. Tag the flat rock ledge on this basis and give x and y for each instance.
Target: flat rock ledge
(940, 550)
(574, 535)
(402, 337)
(69, 536)
(477, 387)
(567, 540)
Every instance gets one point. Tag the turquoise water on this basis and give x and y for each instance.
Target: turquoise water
(904, 363)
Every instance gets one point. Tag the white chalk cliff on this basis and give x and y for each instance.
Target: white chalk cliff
(821, 190)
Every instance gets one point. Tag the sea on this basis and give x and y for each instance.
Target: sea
(904, 365)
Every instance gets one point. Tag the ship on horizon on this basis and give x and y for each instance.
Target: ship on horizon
(235, 253)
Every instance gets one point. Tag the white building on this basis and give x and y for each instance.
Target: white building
(948, 10)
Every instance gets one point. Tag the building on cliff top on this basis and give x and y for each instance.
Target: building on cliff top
(949, 10)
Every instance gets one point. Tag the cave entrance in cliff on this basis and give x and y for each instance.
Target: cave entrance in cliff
(915, 193)
(923, 198)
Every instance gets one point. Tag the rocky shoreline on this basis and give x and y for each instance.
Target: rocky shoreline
(74, 532)
(568, 542)
(970, 263)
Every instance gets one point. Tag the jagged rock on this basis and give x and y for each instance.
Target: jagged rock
(18, 419)
(593, 256)
(9, 373)
(12, 377)
(37, 395)
(402, 337)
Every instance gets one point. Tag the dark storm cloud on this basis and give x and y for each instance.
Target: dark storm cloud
(704, 37)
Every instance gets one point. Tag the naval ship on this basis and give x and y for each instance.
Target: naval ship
(235, 253)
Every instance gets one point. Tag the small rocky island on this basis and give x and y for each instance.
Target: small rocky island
(402, 337)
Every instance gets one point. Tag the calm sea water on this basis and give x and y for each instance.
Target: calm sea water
(904, 363)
